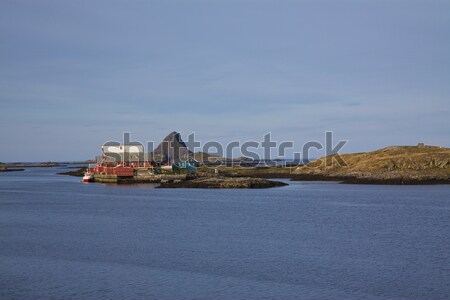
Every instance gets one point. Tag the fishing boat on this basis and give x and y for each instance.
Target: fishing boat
(88, 177)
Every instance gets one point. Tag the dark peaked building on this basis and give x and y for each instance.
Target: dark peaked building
(172, 148)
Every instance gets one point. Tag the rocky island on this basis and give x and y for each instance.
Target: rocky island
(223, 182)
(182, 170)
(419, 164)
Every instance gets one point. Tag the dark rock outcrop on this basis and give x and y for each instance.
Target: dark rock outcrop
(78, 173)
(223, 183)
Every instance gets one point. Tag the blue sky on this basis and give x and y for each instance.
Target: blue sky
(75, 74)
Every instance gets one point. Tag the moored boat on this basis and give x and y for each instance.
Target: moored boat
(87, 177)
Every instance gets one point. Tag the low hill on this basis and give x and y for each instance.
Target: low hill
(395, 164)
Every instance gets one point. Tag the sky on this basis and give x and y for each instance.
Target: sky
(76, 74)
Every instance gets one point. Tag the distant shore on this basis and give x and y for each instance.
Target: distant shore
(20, 166)
(10, 170)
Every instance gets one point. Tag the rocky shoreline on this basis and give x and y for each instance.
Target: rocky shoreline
(243, 178)
(79, 172)
(185, 180)
(371, 180)
(223, 183)
(395, 165)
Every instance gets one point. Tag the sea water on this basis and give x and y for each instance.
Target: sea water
(63, 239)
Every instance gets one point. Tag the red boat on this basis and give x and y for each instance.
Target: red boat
(87, 177)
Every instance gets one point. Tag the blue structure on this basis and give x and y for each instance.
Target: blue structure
(190, 165)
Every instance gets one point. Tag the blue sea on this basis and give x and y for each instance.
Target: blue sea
(63, 239)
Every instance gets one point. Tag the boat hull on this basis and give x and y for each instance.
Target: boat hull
(87, 178)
